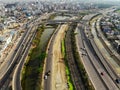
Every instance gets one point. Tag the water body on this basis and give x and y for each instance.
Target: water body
(61, 17)
(45, 37)
(48, 32)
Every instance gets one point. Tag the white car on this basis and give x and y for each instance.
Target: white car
(45, 77)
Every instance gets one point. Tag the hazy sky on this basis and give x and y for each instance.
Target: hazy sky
(58, 0)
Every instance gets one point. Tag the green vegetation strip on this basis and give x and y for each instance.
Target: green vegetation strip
(87, 83)
(70, 83)
(32, 71)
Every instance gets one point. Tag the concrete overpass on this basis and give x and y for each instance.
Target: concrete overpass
(67, 11)
(64, 21)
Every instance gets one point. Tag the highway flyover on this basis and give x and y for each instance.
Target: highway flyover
(16, 81)
(103, 54)
(107, 82)
(90, 69)
(10, 65)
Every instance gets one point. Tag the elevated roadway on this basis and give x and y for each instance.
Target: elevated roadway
(93, 74)
(95, 59)
(16, 83)
(105, 59)
(64, 21)
(5, 72)
(98, 65)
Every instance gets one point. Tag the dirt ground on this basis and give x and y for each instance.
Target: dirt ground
(7, 53)
(59, 79)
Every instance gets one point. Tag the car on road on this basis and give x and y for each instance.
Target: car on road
(45, 76)
(84, 54)
(15, 50)
(48, 73)
(82, 48)
(102, 73)
(118, 80)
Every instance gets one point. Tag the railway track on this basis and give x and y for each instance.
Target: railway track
(75, 74)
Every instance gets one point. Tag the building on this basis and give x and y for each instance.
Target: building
(4, 42)
(117, 42)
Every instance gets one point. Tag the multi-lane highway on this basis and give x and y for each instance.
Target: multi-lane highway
(16, 83)
(15, 57)
(96, 61)
(104, 72)
(92, 72)
(5, 72)
(103, 59)
(109, 71)
(108, 82)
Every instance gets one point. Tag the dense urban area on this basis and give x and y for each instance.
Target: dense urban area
(59, 45)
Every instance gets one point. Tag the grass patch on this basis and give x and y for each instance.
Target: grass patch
(70, 84)
(63, 48)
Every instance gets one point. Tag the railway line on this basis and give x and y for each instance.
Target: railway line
(74, 70)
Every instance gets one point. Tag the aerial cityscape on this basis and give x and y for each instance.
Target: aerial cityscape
(59, 44)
